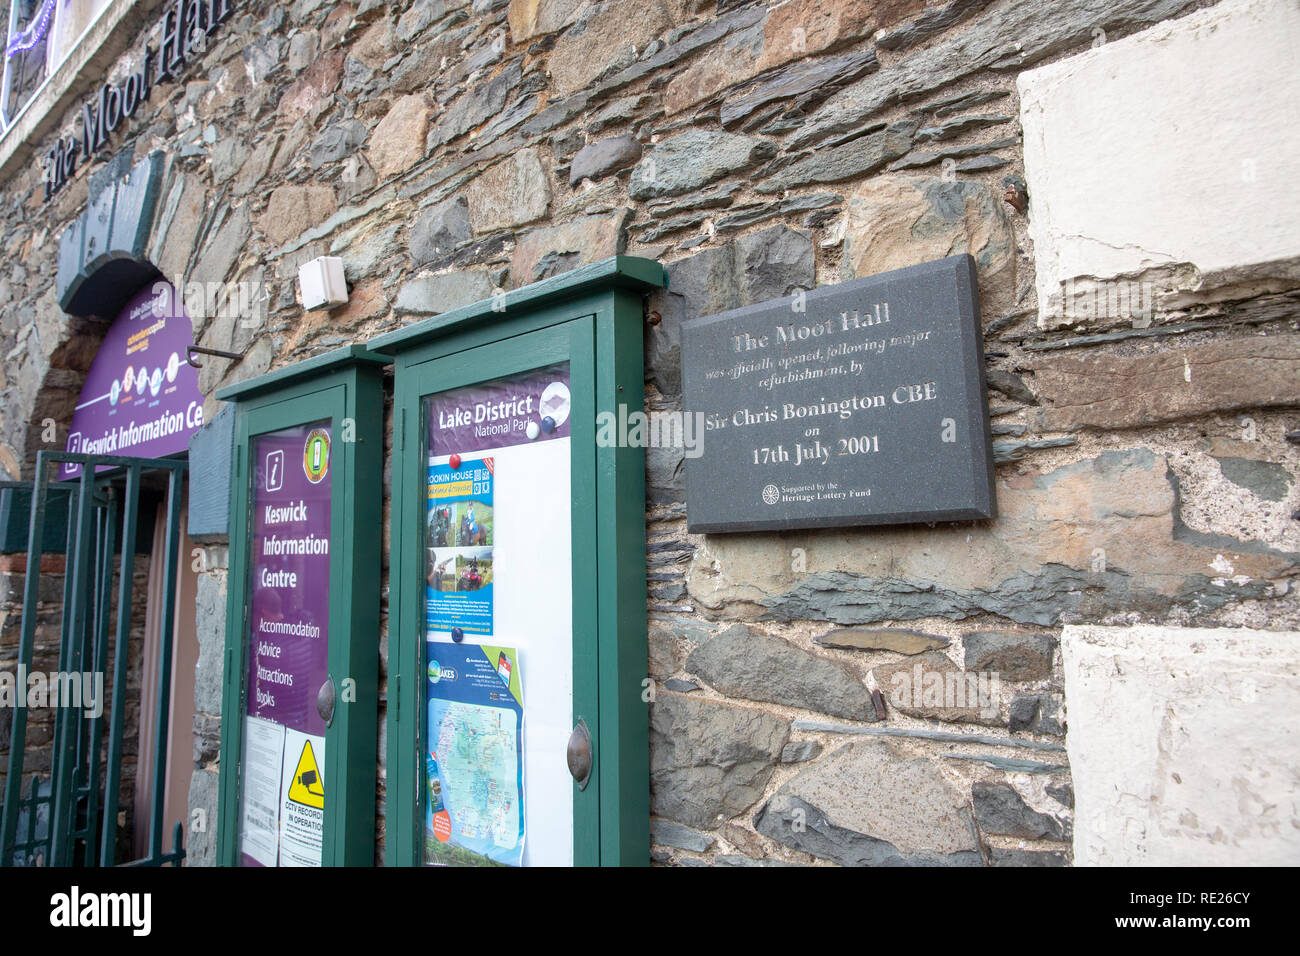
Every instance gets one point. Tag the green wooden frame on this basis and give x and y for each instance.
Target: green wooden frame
(591, 317)
(343, 385)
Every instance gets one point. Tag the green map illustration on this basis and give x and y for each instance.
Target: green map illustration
(478, 761)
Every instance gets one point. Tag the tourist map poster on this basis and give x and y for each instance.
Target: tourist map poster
(474, 760)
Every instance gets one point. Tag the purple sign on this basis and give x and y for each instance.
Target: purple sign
(512, 411)
(283, 760)
(290, 571)
(141, 396)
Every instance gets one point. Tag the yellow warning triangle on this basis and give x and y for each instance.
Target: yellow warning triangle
(307, 787)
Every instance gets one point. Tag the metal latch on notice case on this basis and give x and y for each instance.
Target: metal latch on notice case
(325, 701)
(578, 754)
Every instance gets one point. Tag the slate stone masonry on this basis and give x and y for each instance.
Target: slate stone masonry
(845, 696)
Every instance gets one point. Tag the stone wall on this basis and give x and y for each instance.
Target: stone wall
(39, 739)
(446, 149)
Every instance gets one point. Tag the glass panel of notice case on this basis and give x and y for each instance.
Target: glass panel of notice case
(498, 699)
(301, 693)
(283, 800)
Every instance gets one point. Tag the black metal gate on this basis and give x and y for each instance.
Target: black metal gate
(70, 818)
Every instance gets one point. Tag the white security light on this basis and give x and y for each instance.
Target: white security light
(321, 283)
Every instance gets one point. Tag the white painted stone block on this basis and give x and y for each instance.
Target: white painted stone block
(1166, 165)
(1183, 745)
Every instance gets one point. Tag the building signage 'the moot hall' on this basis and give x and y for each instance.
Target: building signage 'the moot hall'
(186, 26)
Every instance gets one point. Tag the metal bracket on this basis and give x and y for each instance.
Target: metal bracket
(189, 354)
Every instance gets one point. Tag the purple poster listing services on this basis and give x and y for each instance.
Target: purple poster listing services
(290, 569)
(141, 397)
(512, 411)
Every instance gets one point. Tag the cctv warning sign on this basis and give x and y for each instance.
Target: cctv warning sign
(306, 787)
(302, 800)
(284, 795)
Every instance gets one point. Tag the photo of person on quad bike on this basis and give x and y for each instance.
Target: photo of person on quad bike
(474, 570)
(470, 579)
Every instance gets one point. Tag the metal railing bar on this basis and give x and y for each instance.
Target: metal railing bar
(84, 651)
(114, 461)
(117, 716)
(174, 857)
(26, 644)
(34, 804)
(95, 731)
(61, 820)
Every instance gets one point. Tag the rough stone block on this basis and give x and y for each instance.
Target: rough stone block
(598, 160)
(667, 833)
(292, 210)
(1182, 750)
(741, 662)
(440, 229)
(1036, 713)
(1018, 35)
(531, 18)
(608, 35)
(1266, 479)
(398, 141)
(882, 639)
(858, 157)
(931, 686)
(509, 194)
(433, 295)
(1188, 197)
(1001, 811)
(1108, 391)
(201, 845)
(311, 93)
(709, 761)
(338, 141)
(768, 264)
(693, 159)
(1013, 655)
(897, 221)
(481, 102)
(210, 630)
(550, 250)
(845, 807)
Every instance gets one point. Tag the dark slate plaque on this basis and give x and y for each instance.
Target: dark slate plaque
(856, 404)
